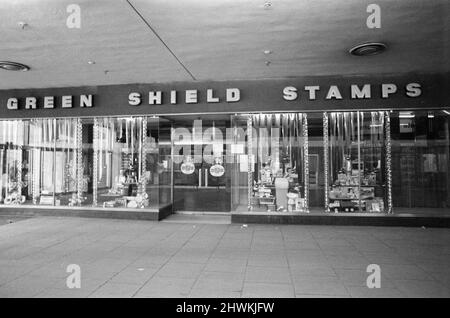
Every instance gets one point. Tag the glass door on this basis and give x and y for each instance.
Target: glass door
(201, 174)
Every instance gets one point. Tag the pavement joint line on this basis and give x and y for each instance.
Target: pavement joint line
(61, 256)
(288, 263)
(39, 266)
(334, 270)
(168, 260)
(206, 263)
(428, 257)
(246, 263)
(117, 273)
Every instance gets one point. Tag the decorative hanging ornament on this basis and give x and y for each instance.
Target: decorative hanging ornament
(249, 162)
(95, 163)
(325, 159)
(306, 165)
(389, 162)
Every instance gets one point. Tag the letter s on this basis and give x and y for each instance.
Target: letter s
(134, 99)
(290, 93)
(413, 90)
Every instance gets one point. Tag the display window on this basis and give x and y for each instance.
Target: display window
(88, 162)
(276, 163)
(376, 162)
(420, 161)
(356, 162)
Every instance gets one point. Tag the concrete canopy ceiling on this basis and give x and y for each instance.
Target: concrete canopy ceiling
(216, 40)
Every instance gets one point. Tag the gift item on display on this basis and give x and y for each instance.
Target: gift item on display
(354, 190)
(281, 190)
(76, 162)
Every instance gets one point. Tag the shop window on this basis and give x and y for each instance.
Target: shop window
(27, 162)
(275, 167)
(90, 162)
(356, 167)
(125, 159)
(420, 161)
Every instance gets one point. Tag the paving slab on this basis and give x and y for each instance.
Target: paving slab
(129, 258)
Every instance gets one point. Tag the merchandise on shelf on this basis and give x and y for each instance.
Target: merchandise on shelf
(354, 190)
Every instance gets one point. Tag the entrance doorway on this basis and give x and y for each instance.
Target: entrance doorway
(201, 175)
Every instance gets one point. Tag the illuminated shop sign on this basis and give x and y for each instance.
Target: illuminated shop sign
(49, 102)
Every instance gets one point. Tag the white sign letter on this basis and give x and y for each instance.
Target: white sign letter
(360, 93)
(210, 96)
(413, 90)
(49, 102)
(66, 101)
(12, 103)
(30, 103)
(173, 97)
(134, 99)
(290, 93)
(233, 95)
(334, 92)
(86, 101)
(191, 96)
(312, 91)
(387, 89)
(154, 98)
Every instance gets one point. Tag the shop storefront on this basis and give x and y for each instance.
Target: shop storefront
(334, 145)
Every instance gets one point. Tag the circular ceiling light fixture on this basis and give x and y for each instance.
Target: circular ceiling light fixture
(13, 66)
(368, 49)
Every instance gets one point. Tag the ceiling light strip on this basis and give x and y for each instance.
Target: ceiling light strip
(162, 41)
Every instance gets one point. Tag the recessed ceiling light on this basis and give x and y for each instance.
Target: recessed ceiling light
(367, 49)
(13, 66)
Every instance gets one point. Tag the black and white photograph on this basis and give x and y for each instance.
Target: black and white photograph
(224, 156)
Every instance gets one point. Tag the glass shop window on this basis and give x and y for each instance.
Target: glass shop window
(100, 162)
(126, 158)
(420, 161)
(279, 152)
(356, 168)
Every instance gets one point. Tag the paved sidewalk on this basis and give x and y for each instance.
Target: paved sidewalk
(121, 258)
(7, 219)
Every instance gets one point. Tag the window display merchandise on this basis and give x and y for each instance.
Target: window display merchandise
(99, 162)
(327, 162)
(280, 146)
(358, 162)
(353, 191)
